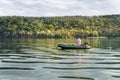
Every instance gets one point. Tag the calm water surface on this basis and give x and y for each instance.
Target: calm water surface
(40, 59)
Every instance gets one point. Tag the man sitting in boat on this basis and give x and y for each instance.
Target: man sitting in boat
(78, 41)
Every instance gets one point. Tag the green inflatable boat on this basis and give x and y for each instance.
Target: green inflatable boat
(73, 46)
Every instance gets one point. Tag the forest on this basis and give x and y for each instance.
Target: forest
(60, 26)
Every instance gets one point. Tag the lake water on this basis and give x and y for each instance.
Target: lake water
(40, 59)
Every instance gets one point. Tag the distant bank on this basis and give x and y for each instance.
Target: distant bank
(60, 27)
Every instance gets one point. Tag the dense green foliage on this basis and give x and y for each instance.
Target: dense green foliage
(59, 27)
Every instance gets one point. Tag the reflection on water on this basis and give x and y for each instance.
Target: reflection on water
(42, 60)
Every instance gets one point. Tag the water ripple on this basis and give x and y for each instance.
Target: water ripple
(77, 68)
(15, 68)
(76, 77)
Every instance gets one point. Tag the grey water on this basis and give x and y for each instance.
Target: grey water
(41, 59)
